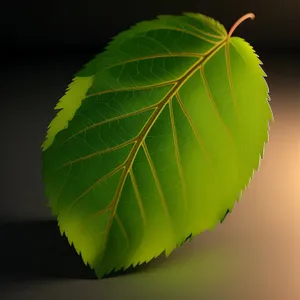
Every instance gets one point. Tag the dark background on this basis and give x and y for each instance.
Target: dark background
(76, 26)
(252, 255)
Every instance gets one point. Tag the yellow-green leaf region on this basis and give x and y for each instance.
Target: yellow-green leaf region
(155, 140)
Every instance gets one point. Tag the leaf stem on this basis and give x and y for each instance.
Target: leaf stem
(239, 21)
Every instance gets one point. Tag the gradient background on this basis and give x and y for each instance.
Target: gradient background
(254, 254)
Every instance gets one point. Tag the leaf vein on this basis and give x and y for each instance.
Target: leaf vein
(123, 230)
(177, 154)
(227, 56)
(100, 212)
(214, 28)
(138, 196)
(193, 127)
(111, 173)
(156, 179)
(135, 88)
(126, 115)
(241, 55)
(210, 96)
(110, 149)
(185, 32)
(62, 186)
(114, 205)
(221, 36)
(156, 41)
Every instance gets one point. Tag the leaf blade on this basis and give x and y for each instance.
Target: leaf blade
(128, 123)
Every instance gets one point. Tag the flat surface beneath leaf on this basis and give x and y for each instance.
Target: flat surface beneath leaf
(254, 254)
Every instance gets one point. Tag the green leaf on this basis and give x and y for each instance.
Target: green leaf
(155, 140)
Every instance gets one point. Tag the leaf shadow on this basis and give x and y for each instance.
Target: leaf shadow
(35, 250)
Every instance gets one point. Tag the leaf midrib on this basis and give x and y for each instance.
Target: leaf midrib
(145, 130)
